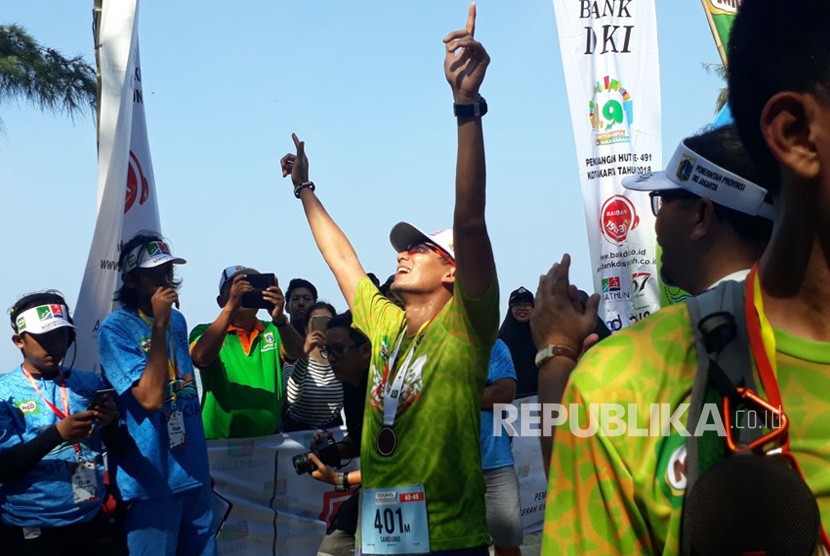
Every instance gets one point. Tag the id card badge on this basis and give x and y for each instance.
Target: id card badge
(394, 520)
(84, 482)
(175, 428)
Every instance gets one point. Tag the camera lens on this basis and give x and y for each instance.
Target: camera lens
(302, 464)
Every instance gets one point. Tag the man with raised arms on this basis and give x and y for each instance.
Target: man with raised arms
(420, 455)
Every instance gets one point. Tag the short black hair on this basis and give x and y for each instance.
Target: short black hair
(775, 46)
(128, 297)
(344, 320)
(296, 283)
(36, 299)
(723, 146)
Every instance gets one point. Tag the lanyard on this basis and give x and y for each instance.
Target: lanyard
(172, 367)
(392, 395)
(762, 343)
(64, 401)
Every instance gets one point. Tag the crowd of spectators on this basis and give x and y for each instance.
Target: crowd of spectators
(419, 366)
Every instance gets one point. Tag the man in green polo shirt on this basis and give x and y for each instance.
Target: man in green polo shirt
(239, 361)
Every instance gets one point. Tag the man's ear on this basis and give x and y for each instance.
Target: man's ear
(220, 301)
(790, 123)
(128, 280)
(365, 351)
(449, 277)
(707, 219)
(17, 340)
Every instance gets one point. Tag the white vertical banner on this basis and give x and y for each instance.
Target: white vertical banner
(126, 188)
(609, 55)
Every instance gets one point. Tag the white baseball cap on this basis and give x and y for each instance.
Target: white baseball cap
(150, 255)
(689, 171)
(404, 235)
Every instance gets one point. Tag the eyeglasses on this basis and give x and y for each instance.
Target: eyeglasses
(523, 305)
(659, 198)
(422, 248)
(335, 352)
(419, 248)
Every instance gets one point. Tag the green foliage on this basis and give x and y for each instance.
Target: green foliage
(723, 94)
(43, 76)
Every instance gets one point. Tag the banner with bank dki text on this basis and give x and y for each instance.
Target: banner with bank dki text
(611, 66)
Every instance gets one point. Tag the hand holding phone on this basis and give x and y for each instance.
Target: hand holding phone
(253, 299)
(101, 397)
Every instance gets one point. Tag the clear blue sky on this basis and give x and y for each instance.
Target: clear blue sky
(362, 83)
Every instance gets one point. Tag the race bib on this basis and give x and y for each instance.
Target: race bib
(84, 483)
(394, 520)
(175, 428)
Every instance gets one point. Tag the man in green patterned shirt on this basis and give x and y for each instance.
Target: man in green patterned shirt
(423, 490)
(624, 494)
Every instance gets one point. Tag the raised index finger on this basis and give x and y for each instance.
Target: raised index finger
(471, 19)
(299, 144)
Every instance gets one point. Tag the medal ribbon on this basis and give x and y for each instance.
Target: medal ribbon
(64, 401)
(172, 367)
(762, 343)
(391, 402)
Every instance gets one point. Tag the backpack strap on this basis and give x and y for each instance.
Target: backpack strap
(724, 363)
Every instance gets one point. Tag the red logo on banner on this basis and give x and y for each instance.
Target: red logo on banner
(618, 217)
(135, 181)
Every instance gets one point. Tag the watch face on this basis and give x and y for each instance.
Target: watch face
(543, 355)
(549, 352)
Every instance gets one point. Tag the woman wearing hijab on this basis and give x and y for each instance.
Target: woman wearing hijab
(515, 332)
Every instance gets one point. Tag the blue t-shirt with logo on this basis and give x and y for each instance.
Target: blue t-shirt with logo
(43, 497)
(496, 450)
(150, 468)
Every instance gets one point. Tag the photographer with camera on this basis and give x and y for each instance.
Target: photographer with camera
(349, 353)
(239, 356)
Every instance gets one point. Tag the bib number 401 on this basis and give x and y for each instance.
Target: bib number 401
(388, 519)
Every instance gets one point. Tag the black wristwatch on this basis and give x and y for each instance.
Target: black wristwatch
(298, 188)
(470, 110)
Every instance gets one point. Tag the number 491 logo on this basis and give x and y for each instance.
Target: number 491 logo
(611, 112)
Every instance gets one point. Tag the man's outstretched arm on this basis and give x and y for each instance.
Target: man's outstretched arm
(465, 64)
(333, 244)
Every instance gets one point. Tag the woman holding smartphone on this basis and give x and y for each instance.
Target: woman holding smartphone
(314, 395)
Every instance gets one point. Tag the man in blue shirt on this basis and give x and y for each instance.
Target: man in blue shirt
(50, 441)
(163, 473)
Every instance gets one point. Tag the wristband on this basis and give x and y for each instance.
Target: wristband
(470, 110)
(551, 351)
(340, 482)
(298, 188)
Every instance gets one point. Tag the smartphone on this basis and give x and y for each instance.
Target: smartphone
(260, 282)
(318, 323)
(101, 396)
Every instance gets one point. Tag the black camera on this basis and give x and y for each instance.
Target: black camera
(325, 449)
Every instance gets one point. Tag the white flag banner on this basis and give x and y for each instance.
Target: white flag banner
(609, 55)
(126, 189)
